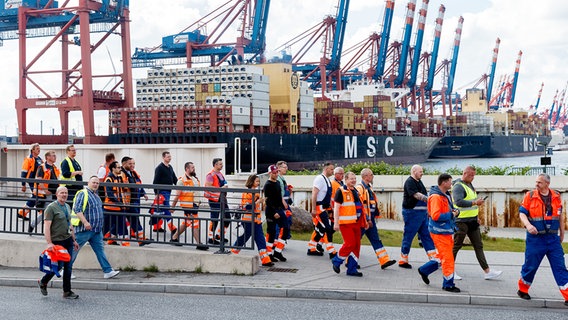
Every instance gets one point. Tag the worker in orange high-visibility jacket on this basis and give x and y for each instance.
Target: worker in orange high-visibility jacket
(349, 219)
(189, 201)
(252, 203)
(370, 208)
(29, 168)
(441, 226)
(541, 214)
(321, 213)
(215, 178)
(115, 221)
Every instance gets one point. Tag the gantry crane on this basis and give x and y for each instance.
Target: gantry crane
(325, 73)
(187, 46)
(44, 18)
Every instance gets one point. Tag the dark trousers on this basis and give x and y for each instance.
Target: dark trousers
(471, 230)
(323, 227)
(67, 244)
(215, 214)
(282, 222)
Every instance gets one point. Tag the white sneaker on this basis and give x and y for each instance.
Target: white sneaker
(73, 276)
(456, 277)
(112, 274)
(492, 274)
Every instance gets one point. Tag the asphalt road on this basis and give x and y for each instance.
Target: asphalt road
(28, 303)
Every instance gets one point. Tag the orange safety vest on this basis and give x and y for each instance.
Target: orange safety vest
(186, 198)
(248, 204)
(334, 186)
(41, 188)
(107, 170)
(347, 210)
(29, 165)
(210, 195)
(118, 193)
(369, 205)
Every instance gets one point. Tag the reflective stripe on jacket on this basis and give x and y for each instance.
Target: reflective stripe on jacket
(470, 195)
(535, 210)
(186, 198)
(348, 209)
(41, 188)
(247, 204)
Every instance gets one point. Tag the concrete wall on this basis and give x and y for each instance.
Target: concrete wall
(505, 193)
(23, 251)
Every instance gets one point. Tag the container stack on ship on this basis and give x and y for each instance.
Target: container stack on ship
(269, 103)
(474, 132)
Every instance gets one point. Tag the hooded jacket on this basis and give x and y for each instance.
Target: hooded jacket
(440, 208)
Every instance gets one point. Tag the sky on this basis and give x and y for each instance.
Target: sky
(539, 30)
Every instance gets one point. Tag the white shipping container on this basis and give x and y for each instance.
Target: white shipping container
(261, 121)
(243, 102)
(391, 124)
(242, 120)
(260, 113)
(307, 123)
(258, 95)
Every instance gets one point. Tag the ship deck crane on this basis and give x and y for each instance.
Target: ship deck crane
(43, 18)
(187, 46)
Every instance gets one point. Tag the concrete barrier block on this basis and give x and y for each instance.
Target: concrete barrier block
(23, 251)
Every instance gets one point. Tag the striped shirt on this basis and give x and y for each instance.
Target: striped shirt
(93, 212)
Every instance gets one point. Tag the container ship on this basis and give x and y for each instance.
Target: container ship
(474, 132)
(265, 112)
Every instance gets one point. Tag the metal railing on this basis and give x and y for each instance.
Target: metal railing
(533, 171)
(147, 214)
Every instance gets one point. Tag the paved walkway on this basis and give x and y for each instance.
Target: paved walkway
(312, 277)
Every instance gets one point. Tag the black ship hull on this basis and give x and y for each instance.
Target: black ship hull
(489, 146)
(301, 151)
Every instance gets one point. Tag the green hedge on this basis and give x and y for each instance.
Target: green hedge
(382, 168)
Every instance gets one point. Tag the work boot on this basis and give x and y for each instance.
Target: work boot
(42, 287)
(279, 256)
(314, 253)
(336, 263)
(453, 289)
(352, 267)
(319, 248)
(405, 265)
(424, 277)
(523, 295)
(388, 264)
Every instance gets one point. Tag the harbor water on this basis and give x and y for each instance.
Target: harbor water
(559, 160)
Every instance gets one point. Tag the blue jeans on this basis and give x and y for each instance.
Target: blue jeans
(416, 222)
(258, 235)
(95, 239)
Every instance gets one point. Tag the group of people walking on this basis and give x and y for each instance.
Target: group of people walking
(441, 218)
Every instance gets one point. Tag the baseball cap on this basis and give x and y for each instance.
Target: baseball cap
(272, 168)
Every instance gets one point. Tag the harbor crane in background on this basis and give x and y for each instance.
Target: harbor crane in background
(186, 46)
(325, 73)
(505, 96)
(78, 91)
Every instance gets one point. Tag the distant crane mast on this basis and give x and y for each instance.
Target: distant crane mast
(516, 78)
(493, 67)
(418, 46)
(411, 8)
(385, 35)
(538, 98)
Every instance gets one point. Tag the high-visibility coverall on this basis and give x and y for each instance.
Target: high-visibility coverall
(369, 200)
(546, 243)
(441, 226)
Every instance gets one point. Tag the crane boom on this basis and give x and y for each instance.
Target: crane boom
(383, 48)
(418, 46)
